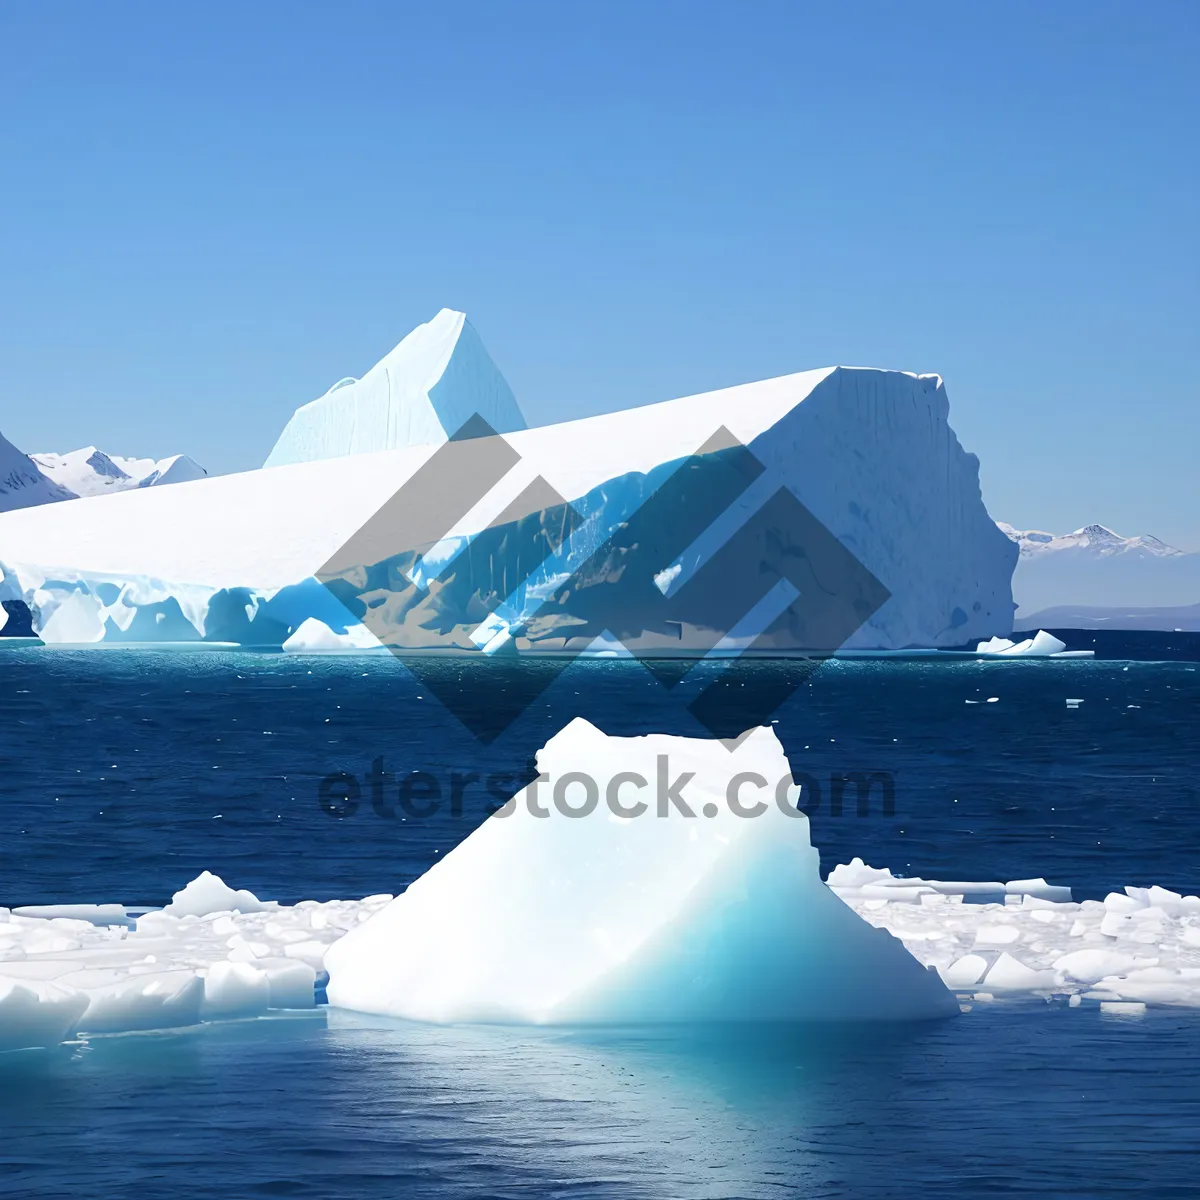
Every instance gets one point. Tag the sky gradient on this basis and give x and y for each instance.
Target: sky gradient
(211, 213)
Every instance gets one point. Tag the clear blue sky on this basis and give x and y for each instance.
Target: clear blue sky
(210, 212)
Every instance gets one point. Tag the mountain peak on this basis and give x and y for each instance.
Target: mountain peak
(1093, 540)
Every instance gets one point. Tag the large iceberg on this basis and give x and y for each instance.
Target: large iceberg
(868, 453)
(572, 906)
(417, 395)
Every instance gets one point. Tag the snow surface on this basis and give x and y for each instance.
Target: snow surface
(417, 395)
(1097, 569)
(658, 917)
(232, 559)
(91, 472)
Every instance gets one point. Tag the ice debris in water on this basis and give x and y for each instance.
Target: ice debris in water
(1041, 645)
(213, 953)
(105, 971)
(1028, 938)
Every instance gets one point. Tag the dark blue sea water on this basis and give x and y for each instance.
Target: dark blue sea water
(126, 773)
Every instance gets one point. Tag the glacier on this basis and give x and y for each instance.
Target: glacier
(561, 913)
(417, 395)
(235, 560)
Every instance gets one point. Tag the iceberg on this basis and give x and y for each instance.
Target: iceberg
(705, 906)
(869, 455)
(1041, 645)
(315, 637)
(417, 395)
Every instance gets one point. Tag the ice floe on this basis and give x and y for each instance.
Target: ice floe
(1027, 938)
(104, 970)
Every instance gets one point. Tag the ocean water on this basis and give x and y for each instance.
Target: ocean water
(126, 773)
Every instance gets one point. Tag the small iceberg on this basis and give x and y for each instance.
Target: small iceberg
(1041, 645)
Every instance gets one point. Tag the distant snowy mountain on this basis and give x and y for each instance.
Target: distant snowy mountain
(22, 483)
(1096, 569)
(1096, 541)
(91, 472)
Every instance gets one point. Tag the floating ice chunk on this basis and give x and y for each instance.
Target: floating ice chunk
(1008, 974)
(997, 935)
(34, 1014)
(994, 645)
(1090, 966)
(208, 893)
(290, 983)
(1038, 889)
(964, 972)
(94, 914)
(163, 1000)
(658, 918)
(1122, 1008)
(315, 637)
(235, 990)
(1041, 645)
(855, 874)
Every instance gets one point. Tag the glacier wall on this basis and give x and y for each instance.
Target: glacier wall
(417, 395)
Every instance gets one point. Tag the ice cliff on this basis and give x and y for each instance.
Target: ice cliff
(417, 395)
